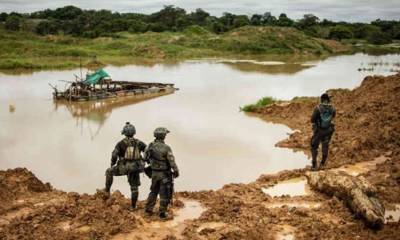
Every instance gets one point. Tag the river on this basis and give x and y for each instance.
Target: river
(214, 143)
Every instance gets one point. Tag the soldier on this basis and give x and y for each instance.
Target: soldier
(162, 161)
(126, 159)
(323, 128)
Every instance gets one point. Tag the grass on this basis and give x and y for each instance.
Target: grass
(265, 101)
(31, 51)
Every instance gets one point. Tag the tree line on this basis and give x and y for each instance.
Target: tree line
(74, 21)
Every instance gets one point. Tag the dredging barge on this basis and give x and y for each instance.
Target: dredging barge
(99, 85)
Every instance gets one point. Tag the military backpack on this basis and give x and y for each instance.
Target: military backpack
(326, 115)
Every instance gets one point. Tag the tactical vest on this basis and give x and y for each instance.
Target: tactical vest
(158, 156)
(132, 151)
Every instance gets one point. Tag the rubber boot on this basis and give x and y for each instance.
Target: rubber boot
(323, 161)
(163, 215)
(109, 182)
(314, 161)
(134, 198)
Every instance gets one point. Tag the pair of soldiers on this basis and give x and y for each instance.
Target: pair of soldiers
(127, 159)
(323, 129)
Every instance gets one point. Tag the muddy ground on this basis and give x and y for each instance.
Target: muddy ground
(366, 143)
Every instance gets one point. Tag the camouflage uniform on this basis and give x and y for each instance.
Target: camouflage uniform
(130, 167)
(162, 161)
(321, 135)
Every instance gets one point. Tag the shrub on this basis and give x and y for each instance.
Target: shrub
(265, 101)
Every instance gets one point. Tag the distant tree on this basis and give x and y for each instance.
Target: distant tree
(256, 20)
(379, 38)
(3, 16)
(396, 32)
(168, 17)
(227, 19)
(364, 31)
(268, 19)
(326, 23)
(340, 32)
(47, 27)
(137, 26)
(218, 27)
(240, 21)
(118, 25)
(157, 27)
(13, 23)
(199, 17)
(307, 21)
(284, 21)
(66, 13)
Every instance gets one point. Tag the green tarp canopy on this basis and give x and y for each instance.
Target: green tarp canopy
(95, 77)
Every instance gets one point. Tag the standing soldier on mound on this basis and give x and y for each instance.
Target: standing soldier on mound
(162, 161)
(126, 159)
(323, 129)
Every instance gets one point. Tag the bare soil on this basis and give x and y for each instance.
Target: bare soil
(367, 127)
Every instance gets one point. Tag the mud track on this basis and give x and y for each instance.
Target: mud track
(366, 144)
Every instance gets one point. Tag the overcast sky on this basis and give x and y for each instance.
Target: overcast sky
(347, 10)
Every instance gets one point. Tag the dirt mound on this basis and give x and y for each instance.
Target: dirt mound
(18, 182)
(367, 122)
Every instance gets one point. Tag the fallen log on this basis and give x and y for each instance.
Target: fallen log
(357, 192)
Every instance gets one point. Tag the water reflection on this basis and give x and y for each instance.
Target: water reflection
(290, 68)
(98, 111)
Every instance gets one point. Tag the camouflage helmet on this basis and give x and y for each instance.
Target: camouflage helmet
(160, 132)
(128, 130)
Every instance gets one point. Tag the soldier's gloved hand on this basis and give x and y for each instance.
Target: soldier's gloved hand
(176, 174)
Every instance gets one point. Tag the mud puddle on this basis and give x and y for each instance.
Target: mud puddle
(293, 187)
(362, 167)
(166, 229)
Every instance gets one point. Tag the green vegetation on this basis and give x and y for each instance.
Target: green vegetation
(24, 49)
(59, 37)
(70, 20)
(265, 101)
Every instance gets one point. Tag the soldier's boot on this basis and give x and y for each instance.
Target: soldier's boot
(163, 207)
(134, 197)
(314, 154)
(109, 181)
(323, 161)
(163, 215)
(325, 151)
(151, 202)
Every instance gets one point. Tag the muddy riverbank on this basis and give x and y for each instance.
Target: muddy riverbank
(367, 130)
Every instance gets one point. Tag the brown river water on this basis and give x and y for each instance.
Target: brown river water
(69, 145)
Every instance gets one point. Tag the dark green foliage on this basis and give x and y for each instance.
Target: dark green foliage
(284, 21)
(340, 32)
(265, 101)
(3, 16)
(74, 21)
(256, 20)
(13, 23)
(379, 38)
(47, 27)
(240, 21)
